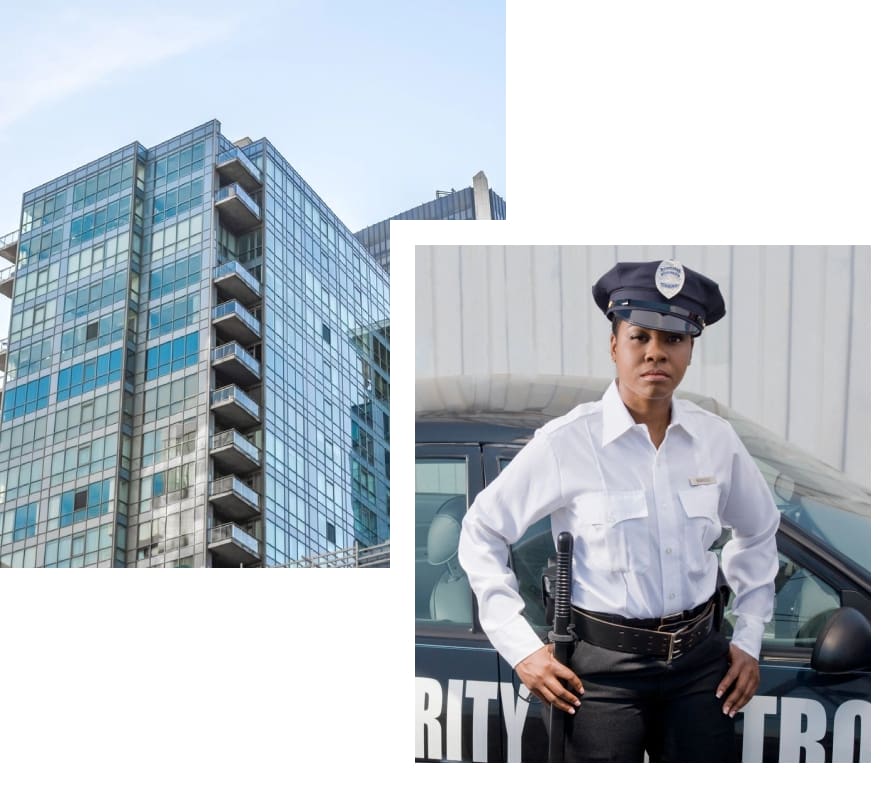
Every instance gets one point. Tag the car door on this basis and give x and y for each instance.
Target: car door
(799, 714)
(460, 693)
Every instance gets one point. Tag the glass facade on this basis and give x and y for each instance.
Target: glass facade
(451, 205)
(197, 368)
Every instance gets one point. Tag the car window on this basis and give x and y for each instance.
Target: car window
(442, 590)
(803, 603)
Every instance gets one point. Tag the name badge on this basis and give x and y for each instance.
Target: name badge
(696, 481)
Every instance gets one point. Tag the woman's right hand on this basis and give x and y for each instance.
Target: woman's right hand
(544, 676)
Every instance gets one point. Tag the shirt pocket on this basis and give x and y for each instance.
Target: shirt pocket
(612, 524)
(702, 526)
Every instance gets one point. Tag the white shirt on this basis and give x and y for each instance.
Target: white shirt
(642, 520)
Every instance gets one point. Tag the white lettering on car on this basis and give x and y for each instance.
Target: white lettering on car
(429, 707)
(515, 711)
(802, 723)
(845, 719)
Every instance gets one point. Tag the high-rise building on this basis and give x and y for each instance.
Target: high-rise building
(197, 368)
(478, 201)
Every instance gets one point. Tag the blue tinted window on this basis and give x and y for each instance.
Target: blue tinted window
(25, 521)
(174, 276)
(88, 375)
(173, 355)
(27, 398)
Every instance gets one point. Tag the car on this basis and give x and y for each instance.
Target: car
(814, 698)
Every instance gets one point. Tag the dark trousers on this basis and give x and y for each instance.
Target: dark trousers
(635, 704)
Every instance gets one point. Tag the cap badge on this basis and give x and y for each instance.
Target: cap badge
(669, 278)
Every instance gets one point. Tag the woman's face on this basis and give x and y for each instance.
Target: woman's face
(649, 363)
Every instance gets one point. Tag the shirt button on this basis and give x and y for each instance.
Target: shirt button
(672, 596)
(668, 551)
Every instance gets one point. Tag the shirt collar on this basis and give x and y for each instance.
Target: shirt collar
(618, 421)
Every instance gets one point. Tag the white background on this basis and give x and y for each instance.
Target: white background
(628, 123)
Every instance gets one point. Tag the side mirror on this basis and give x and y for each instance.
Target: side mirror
(844, 643)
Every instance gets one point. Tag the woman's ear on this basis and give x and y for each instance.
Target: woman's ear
(613, 348)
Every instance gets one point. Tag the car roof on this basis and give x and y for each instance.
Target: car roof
(516, 426)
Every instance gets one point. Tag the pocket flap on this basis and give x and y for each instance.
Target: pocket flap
(626, 505)
(611, 508)
(702, 501)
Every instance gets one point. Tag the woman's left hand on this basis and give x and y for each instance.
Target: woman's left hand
(742, 679)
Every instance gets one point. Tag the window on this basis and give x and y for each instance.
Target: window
(325, 332)
(173, 355)
(93, 330)
(29, 359)
(27, 398)
(331, 534)
(181, 199)
(109, 217)
(77, 505)
(172, 316)
(442, 590)
(88, 375)
(25, 521)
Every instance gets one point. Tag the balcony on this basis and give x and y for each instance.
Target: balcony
(4, 351)
(238, 211)
(233, 453)
(234, 281)
(233, 364)
(234, 166)
(233, 321)
(7, 278)
(234, 408)
(232, 545)
(9, 246)
(234, 499)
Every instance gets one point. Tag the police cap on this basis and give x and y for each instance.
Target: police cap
(661, 295)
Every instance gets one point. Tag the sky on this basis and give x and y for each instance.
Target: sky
(376, 104)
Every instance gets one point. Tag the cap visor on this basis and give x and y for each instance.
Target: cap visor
(658, 321)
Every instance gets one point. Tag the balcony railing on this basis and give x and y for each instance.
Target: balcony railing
(7, 278)
(234, 497)
(235, 364)
(232, 452)
(236, 282)
(9, 246)
(233, 545)
(237, 208)
(222, 440)
(357, 556)
(236, 322)
(234, 407)
(234, 165)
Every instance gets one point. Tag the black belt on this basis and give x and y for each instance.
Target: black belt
(669, 637)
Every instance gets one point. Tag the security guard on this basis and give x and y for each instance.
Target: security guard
(645, 482)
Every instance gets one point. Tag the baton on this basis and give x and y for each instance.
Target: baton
(562, 639)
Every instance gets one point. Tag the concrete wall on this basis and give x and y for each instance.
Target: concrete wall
(793, 352)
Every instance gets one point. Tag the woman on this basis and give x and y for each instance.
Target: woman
(645, 483)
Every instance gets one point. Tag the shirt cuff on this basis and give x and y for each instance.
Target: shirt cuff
(748, 632)
(515, 641)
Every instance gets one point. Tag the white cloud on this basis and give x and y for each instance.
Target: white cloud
(76, 53)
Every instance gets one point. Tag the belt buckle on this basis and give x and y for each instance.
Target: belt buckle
(675, 640)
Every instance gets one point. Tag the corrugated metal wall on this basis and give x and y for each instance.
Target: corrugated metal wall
(793, 352)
